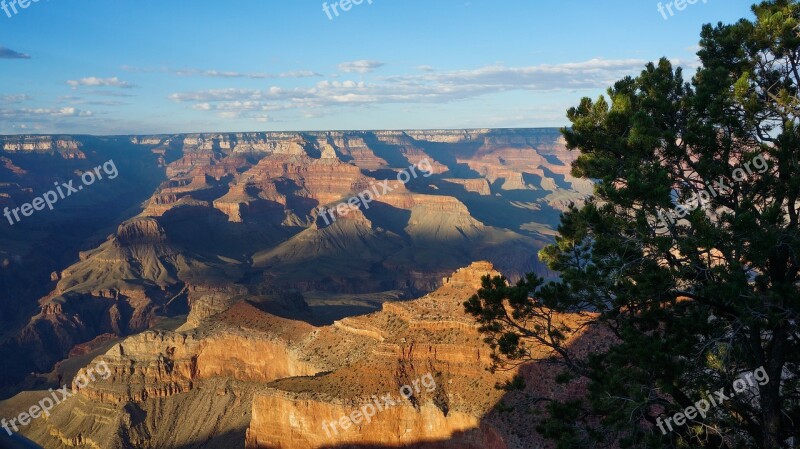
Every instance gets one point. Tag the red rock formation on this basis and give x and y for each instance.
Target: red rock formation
(290, 381)
(479, 186)
(354, 147)
(431, 335)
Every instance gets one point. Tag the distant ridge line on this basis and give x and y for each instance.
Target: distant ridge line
(413, 130)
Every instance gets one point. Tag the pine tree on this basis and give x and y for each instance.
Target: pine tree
(686, 256)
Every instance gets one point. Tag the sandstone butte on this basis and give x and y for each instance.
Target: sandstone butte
(239, 377)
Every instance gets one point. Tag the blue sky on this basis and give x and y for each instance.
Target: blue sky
(142, 66)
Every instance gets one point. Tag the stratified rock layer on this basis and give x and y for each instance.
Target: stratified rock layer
(243, 378)
(252, 222)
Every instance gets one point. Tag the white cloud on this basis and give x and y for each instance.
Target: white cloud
(107, 93)
(27, 113)
(586, 74)
(94, 81)
(226, 73)
(361, 66)
(250, 75)
(12, 99)
(7, 53)
(429, 87)
(71, 99)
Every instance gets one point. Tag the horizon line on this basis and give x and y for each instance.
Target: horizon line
(287, 132)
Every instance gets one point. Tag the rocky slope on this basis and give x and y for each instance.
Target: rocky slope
(34, 250)
(243, 378)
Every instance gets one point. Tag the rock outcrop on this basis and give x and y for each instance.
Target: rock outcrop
(243, 378)
(430, 336)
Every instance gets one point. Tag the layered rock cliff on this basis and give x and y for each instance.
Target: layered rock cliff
(238, 214)
(281, 374)
(66, 147)
(243, 378)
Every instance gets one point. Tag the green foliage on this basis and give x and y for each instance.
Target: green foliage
(517, 383)
(682, 307)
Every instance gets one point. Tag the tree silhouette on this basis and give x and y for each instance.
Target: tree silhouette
(685, 257)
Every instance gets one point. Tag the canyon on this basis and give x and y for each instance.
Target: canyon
(246, 378)
(207, 279)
